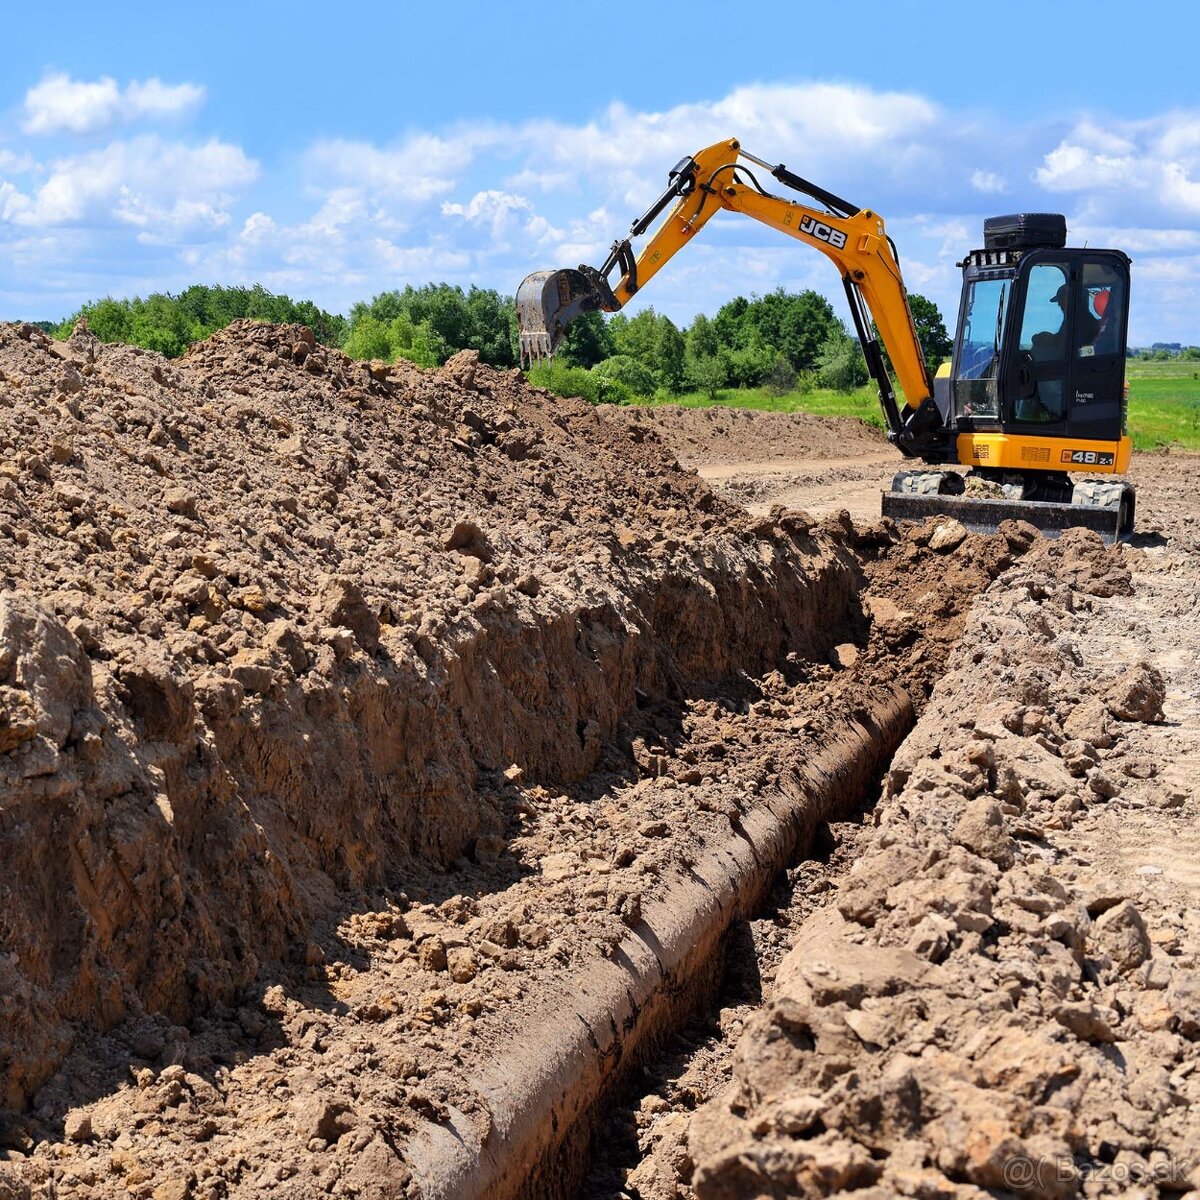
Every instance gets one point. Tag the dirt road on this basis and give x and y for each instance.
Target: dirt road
(818, 486)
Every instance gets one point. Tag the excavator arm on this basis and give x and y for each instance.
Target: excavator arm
(717, 178)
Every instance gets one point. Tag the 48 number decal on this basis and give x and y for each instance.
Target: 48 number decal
(1088, 458)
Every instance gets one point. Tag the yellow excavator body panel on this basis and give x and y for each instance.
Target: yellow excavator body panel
(1023, 452)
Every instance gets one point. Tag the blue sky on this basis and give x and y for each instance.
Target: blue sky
(333, 153)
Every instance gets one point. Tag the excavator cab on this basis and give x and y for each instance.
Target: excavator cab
(1036, 385)
(1040, 345)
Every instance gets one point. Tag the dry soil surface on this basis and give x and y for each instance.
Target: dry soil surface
(353, 718)
(988, 988)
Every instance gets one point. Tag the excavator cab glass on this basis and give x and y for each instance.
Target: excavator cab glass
(1043, 348)
(981, 337)
(1041, 344)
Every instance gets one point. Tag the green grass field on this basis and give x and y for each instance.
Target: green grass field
(862, 403)
(1164, 403)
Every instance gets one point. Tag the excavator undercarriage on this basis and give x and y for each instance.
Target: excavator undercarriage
(981, 504)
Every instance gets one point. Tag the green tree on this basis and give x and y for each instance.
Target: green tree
(701, 338)
(731, 322)
(654, 340)
(159, 323)
(705, 373)
(840, 363)
(636, 376)
(748, 365)
(931, 331)
(797, 324)
(110, 320)
(781, 378)
(169, 323)
(670, 353)
(441, 319)
(588, 341)
(370, 339)
(794, 324)
(636, 336)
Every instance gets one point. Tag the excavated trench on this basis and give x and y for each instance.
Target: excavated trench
(550, 1094)
(545, 1091)
(713, 787)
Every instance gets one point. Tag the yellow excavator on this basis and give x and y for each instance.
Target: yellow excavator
(1033, 401)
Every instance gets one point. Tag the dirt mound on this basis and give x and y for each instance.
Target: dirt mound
(723, 435)
(273, 626)
(979, 1011)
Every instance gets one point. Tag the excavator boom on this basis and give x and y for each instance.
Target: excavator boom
(724, 176)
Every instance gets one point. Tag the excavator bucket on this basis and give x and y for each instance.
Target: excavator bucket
(981, 515)
(547, 302)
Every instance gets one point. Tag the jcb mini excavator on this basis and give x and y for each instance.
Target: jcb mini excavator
(1033, 400)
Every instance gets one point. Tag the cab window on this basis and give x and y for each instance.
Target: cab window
(985, 313)
(1102, 314)
(1043, 324)
(1045, 329)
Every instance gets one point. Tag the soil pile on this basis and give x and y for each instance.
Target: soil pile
(980, 1011)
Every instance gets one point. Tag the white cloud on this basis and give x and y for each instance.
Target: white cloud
(153, 98)
(817, 128)
(1136, 241)
(60, 104)
(988, 182)
(419, 168)
(504, 215)
(143, 182)
(258, 227)
(16, 164)
(1074, 168)
(1179, 189)
(1152, 163)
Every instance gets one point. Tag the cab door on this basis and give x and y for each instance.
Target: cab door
(1097, 405)
(1037, 384)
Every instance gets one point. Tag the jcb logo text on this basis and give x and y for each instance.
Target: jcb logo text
(818, 229)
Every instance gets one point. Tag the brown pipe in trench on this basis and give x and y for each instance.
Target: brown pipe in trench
(543, 1090)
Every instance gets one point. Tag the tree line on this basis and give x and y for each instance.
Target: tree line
(170, 324)
(1167, 353)
(782, 341)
